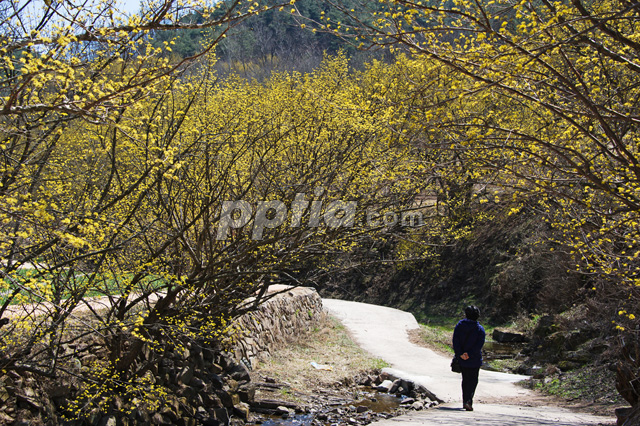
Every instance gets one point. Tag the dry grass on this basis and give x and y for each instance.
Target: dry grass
(328, 344)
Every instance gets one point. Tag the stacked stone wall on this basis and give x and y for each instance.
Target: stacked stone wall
(204, 385)
(277, 322)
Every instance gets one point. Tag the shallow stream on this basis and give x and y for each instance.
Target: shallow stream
(494, 351)
(375, 403)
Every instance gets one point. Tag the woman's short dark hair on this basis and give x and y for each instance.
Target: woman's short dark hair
(472, 312)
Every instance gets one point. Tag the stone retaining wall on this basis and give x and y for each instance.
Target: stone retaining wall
(292, 311)
(204, 385)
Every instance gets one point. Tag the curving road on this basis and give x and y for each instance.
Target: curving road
(382, 332)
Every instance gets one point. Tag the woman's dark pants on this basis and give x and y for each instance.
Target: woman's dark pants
(469, 383)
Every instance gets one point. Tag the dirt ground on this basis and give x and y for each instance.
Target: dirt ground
(331, 348)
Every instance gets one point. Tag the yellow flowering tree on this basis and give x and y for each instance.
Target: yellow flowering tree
(116, 163)
(144, 201)
(541, 102)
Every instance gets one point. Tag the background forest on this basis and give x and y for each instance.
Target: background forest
(510, 127)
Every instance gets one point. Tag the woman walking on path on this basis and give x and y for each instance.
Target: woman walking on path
(468, 339)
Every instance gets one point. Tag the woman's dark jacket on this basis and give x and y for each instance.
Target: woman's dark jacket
(468, 336)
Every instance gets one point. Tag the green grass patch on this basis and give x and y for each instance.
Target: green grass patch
(43, 285)
(592, 383)
(379, 363)
(436, 335)
(504, 365)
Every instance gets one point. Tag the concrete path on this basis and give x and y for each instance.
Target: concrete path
(382, 332)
